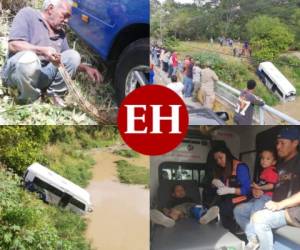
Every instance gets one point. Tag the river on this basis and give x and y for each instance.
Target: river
(120, 220)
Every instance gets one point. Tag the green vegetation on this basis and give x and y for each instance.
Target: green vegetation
(28, 223)
(201, 22)
(25, 221)
(271, 27)
(132, 174)
(59, 147)
(236, 74)
(289, 65)
(269, 37)
(128, 153)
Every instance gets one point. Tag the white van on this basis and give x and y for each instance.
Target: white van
(55, 189)
(189, 165)
(276, 81)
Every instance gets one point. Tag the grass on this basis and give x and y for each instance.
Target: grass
(193, 47)
(132, 174)
(128, 153)
(75, 165)
(70, 157)
(292, 72)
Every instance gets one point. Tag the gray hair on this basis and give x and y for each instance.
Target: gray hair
(54, 3)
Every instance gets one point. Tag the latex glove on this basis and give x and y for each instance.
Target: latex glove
(225, 190)
(217, 183)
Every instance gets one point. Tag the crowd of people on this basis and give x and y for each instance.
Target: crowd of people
(250, 208)
(237, 49)
(191, 78)
(198, 79)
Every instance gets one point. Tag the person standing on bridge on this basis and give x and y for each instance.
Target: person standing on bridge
(196, 78)
(207, 89)
(188, 77)
(245, 106)
(174, 63)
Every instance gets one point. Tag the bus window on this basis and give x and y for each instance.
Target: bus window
(41, 184)
(77, 203)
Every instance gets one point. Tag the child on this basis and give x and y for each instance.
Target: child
(180, 206)
(262, 193)
(177, 87)
(269, 176)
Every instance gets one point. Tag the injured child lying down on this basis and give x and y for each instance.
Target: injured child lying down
(181, 206)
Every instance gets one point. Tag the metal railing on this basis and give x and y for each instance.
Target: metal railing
(264, 115)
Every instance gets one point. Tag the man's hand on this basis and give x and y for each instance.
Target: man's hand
(51, 55)
(93, 73)
(255, 186)
(257, 193)
(274, 206)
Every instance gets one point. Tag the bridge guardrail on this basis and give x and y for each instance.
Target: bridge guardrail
(265, 115)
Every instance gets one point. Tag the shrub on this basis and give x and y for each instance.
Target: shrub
(22, 145)
(268, 37)
(132, 174)
(170, 42)
(127, 153)
(27, 223)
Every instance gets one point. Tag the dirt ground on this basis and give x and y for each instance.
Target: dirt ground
(120, 220)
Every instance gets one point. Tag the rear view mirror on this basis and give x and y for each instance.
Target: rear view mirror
(223, 116)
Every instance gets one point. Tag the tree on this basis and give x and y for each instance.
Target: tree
(268, 37)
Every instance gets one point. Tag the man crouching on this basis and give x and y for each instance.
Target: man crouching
(37, 45)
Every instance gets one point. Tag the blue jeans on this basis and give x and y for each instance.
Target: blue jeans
(188, 86)
(170, 70)
(243, 212)
(264, 221)
(174, 71)
(25, 72)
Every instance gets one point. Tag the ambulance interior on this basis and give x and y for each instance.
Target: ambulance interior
(188, 165)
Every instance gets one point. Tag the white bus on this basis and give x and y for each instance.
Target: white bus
(57, 190)
(276, 81)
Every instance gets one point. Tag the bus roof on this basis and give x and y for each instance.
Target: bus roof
(53, 178)
(277, 77)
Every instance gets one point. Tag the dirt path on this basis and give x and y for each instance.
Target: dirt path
(120, 220)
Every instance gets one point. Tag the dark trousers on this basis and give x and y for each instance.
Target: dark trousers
(226, 214)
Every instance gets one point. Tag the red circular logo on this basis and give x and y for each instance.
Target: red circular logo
(153, 120)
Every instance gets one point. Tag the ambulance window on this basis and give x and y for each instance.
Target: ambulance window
(181, 171)
(202, 175)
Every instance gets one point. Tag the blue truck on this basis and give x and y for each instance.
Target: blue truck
(118, 31)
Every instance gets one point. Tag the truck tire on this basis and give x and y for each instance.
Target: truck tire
(134, 57)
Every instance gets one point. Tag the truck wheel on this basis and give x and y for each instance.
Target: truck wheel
(132, 70)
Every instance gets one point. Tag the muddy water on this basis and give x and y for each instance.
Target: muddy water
(290, 108)
(120, 220)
